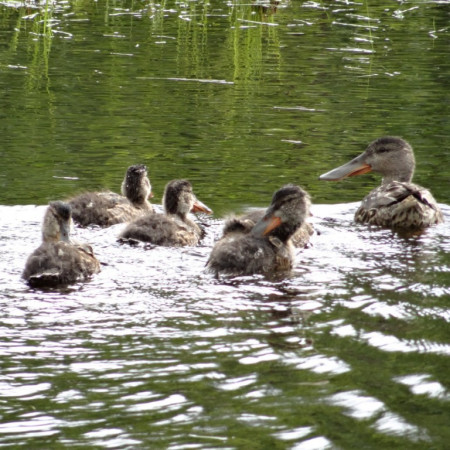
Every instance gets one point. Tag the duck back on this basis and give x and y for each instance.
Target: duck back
(103, 209)
(243, 254)
(160, 229)
(399, 205)
(59, 263)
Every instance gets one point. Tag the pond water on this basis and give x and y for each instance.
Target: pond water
(352, 350)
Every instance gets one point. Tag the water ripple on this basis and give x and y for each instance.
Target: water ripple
(177, 344)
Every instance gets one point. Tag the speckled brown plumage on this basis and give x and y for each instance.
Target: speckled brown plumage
(399, 205)
(267, 247)
(108, 208)
(57, 261)
(174, 228)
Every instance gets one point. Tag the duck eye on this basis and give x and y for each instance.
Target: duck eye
(383, 150)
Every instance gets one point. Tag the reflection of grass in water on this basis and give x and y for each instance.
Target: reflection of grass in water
(192, 41)
(253, 36)
(15, 39)
(371, 55)
(370, 29)
(38, 41)
(433, 34)
(42, 46)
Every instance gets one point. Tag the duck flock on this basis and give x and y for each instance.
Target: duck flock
(261, 241)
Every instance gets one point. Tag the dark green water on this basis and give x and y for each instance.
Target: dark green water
(238, 100)
(351, 351)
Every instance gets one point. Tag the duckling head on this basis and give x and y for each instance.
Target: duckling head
(136, 184)
(288, 210)
(57, 222)
(179, 199)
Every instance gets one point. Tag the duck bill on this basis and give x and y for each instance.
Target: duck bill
(200, 207)
(355, 167)
(151, 195)
(266, 225)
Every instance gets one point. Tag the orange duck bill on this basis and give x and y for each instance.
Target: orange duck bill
(200, 207)
(356, 166)
(266, 225)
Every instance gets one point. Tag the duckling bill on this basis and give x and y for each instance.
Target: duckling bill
(245, 223)
(267, 248)
(397, 203)
(57, 261)
(174, 228)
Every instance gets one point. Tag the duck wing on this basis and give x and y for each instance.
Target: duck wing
(159, 229)
(49, 278)
(103, 209)
(59, 263)
(399, 205)
(243, 254)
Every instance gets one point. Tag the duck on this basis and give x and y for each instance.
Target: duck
(245, 223)
(58, 260)
(105, 209)
(397, 203)
(267, 248)
(173, 228)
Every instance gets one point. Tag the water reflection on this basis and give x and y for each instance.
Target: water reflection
(235, 134)
(154, 351)
(420, 384)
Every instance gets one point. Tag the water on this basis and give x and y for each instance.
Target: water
(154, 352)
(350, 351)
(238, 100)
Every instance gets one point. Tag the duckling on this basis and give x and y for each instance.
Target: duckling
(245, 223)
(108, 208)
(57, 261)
(268, 247)
(174, 228)
(397, 203)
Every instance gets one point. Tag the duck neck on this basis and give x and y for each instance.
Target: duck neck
(284, 232)
(398, 170)
(403, 177)
(142, 204)
(185, 219)
(54, 230)
(177, 215)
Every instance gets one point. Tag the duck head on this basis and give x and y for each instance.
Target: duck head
(136, 184)
(288, 210)
(179, 199)
(57, 222)
(392, 157)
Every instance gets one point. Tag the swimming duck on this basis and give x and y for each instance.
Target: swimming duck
(397, 203)
(174, 228)
(245, 223)
(108, 208)
(267, 248)
(57, 261)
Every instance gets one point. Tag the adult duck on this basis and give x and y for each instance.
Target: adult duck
(267, 248)
(397, 203)
(174, 228)
(58, 261)
(108, 208)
